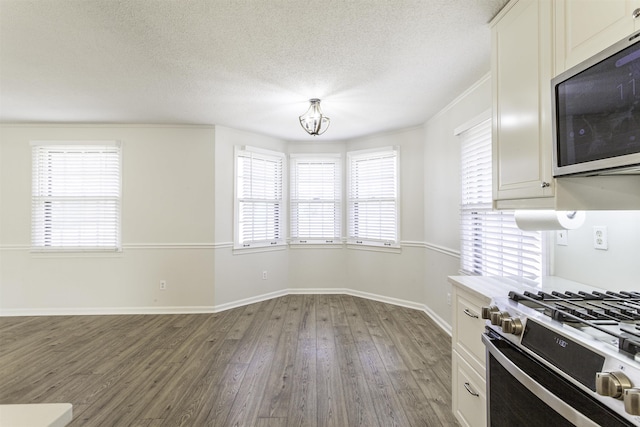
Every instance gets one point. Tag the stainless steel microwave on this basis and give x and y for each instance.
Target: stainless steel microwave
(596, 113)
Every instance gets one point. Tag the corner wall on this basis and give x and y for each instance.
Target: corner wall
(238, 275)
(396, 275)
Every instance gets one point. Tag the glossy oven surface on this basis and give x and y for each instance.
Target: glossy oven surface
(523, 392)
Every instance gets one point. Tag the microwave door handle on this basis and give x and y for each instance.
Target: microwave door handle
(530, 384)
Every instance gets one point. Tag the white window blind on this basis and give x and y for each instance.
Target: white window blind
(316, 188)
(259, 198)
(491, 243)
(372, 191)
(76, 195)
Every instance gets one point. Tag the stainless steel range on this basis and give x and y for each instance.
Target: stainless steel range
(563, 358)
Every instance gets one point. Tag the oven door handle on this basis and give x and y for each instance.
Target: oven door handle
(542, 393)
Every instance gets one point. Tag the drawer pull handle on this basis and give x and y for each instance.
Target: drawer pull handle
(470, 314)
(471, 392)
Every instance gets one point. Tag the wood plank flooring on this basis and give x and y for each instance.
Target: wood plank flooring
(298, 360)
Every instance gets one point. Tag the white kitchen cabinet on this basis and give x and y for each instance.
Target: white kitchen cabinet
(584, 28)
(522, 67)
(469, 394)
(468, 357)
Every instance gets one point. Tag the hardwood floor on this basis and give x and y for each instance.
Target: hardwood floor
(298, 360)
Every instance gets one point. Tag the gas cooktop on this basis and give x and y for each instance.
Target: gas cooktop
(610, 317)
(589, 337)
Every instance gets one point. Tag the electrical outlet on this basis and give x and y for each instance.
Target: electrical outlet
(600, 238)
(448, 298)
(562, 238)
(264, 275)
(163, 285)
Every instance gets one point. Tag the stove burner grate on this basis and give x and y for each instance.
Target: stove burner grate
(596, 309)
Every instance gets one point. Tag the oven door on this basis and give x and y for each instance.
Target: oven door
(518, 393)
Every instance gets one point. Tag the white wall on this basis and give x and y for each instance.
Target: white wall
(167, 232)
(395, 275)
(617, 268)
(177, 215)
(238, 276)
(442, 193)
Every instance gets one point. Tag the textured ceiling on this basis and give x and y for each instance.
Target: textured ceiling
(377, 65)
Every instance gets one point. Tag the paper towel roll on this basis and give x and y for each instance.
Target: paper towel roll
(549, 220)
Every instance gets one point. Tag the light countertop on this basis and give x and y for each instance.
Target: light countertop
(488, 287)
(36, 415)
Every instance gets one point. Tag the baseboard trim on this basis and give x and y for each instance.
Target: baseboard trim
(103, 311)
(318, 291)
(446, 327)
(404, 303)
(251, 300)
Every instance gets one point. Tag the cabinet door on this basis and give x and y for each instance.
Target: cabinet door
(468, 394)
(522, 65)
(584, 28)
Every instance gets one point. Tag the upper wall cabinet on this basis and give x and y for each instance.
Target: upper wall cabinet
(522, 67)
(584, 28)
(532, 41)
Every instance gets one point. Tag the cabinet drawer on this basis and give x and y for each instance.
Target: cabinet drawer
(469, 394)
(468, 331)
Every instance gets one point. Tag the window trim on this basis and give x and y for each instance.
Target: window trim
(261, 246)
(370, 243)
(335, 241)
(118, 212)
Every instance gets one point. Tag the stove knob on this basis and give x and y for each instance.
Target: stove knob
(498, 316)
(632, 401)
(612, 384)
(486, 311)
(512, 326)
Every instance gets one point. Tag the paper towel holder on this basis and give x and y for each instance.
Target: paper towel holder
(544, 220)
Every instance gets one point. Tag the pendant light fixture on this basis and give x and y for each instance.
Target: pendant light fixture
(313, 121)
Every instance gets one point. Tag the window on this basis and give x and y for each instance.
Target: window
(76, 195)
(315, 199)
(491, 243)
(259, 198)
(372, 192)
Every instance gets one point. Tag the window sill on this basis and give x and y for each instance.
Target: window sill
(75, 252)
(375, 248)
(317, 245)
(257, 249)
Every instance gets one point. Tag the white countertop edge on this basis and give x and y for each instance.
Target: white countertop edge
(499, 287)
(36, 415)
